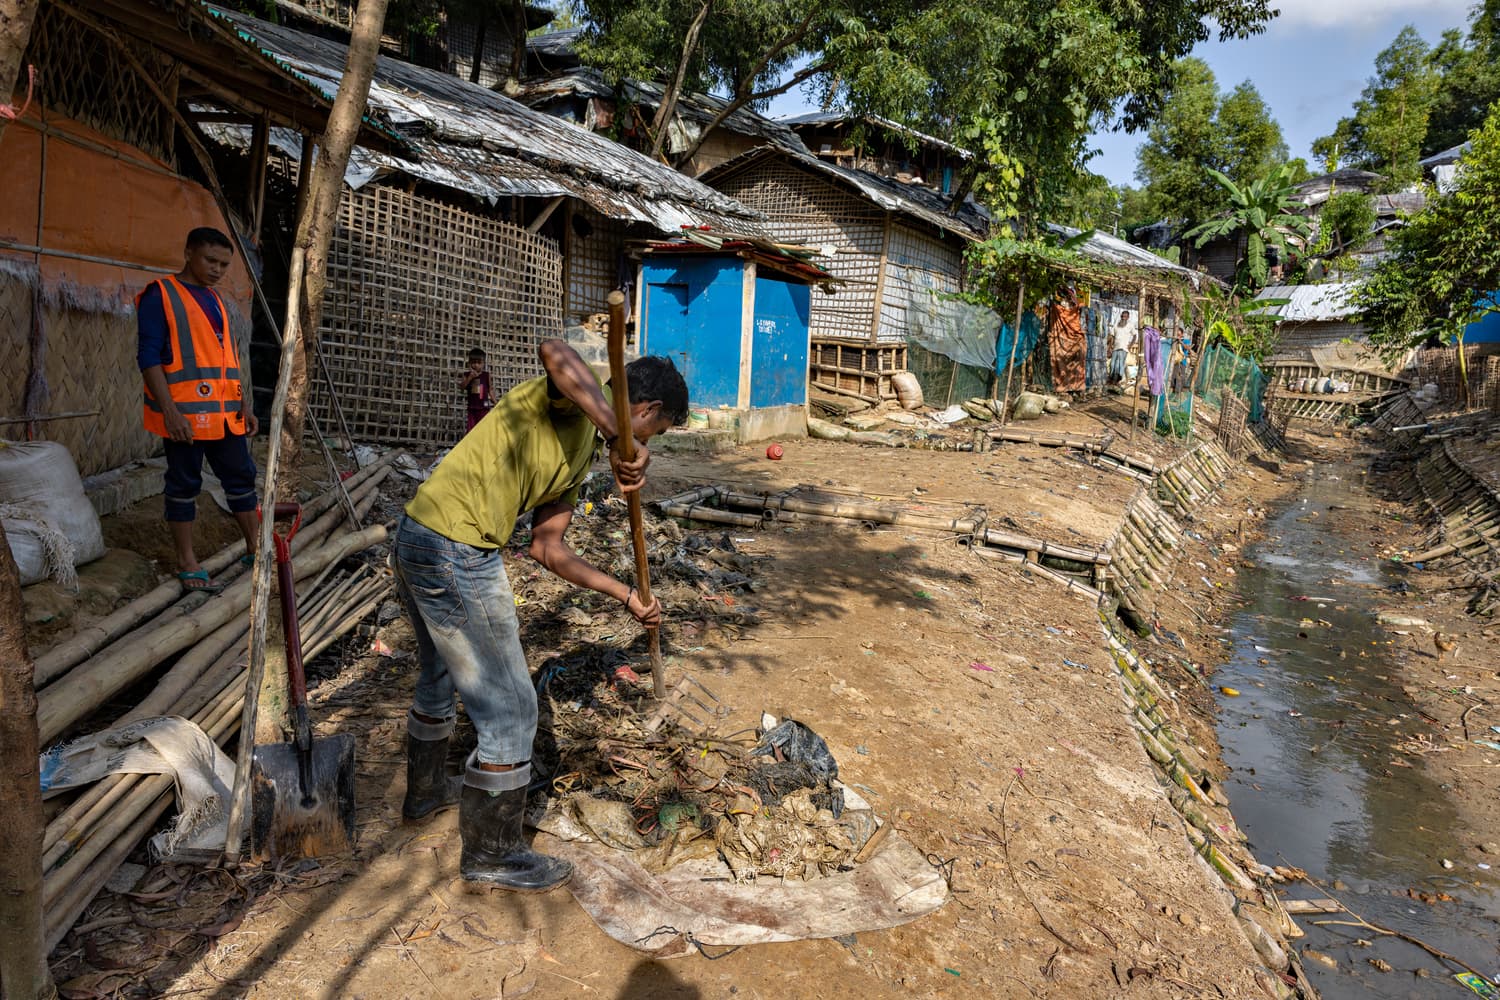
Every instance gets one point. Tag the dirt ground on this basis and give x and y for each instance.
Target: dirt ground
(970, 702)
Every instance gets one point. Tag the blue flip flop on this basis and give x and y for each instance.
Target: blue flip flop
(198, 582)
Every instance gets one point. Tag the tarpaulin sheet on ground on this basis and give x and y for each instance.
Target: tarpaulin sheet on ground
(699, 903)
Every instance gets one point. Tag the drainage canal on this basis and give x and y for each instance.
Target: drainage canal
(1319, 779)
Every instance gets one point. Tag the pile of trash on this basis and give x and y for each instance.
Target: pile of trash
(770, 807)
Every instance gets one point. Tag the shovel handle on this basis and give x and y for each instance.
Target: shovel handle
(286, 585)
(625, 441)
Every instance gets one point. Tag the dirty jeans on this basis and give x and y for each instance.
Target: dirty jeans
(468, 639)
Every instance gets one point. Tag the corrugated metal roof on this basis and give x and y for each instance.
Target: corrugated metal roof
(474, 140)
(1450, 155)
(1112, 250)
(700, 109)
(970, 222)
(1310, 303)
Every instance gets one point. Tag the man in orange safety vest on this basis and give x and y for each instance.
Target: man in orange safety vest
(193, 397)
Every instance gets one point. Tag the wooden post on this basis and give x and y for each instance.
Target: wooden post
(885, 255)
(1015, 339)
(23, 956)
(1140, 357)
(305, 172)
(305, 283)
(255, 194)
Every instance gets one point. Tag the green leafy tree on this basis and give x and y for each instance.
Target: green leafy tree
(1020, 83)
(1182, 145)
(1347, 219)
(1200, 130)
(1389, 125)
(1263, 214)
(1251, 139)
(1469, 72)
(1443, 272)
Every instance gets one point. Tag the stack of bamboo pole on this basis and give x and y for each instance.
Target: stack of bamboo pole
(88, 839)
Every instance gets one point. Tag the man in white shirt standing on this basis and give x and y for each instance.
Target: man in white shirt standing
(1124, 343)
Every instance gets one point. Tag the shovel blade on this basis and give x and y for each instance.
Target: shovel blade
(297, 815)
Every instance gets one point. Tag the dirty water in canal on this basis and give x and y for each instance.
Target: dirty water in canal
(1309, 741)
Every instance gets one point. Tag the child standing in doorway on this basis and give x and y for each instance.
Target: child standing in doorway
(478, 390)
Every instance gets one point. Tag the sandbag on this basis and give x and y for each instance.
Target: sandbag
(49, 523)
(1029, 406)
(908, 390)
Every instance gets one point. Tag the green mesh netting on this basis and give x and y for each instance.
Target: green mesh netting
(1221, 371)
(944, 381)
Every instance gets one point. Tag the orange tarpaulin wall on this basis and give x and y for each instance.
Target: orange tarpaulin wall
(67, 326)
(115, 202)
(1069, 348)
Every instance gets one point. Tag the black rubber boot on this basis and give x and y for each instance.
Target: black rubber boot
(489, 822)
(429, 788)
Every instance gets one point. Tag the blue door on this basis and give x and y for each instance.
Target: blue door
(692, 316)
(778, 353)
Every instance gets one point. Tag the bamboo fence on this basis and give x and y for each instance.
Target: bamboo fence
(414, 283)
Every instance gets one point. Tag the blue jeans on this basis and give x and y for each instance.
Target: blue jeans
(468, 639)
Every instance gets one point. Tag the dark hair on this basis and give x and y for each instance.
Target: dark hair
(656, 379)
(476, 354)
(207, 236)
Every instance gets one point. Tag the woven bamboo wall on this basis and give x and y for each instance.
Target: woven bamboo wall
(82, 75)
(89, 365)
(803, 208)
(593, 264)
(1440, 366)
(415, 283)
(915, 262)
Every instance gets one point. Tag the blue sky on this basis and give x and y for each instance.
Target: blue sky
(1310, 65)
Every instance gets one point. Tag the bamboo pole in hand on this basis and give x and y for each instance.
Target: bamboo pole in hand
(620, 395)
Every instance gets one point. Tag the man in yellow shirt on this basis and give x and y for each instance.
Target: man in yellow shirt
(530, 453)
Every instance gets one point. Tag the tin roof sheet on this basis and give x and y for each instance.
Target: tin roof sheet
(475, 140)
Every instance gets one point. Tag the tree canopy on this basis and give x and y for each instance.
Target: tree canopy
(1389, 125)
(1198, 131)
(1443, 272)
(1020, 82)
(1469, 79)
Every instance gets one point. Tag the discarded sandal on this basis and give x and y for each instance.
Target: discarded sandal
(198, 582)
(247, 560)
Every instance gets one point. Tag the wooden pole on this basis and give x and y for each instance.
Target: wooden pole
(306, 279)
(23, 956)
(620, 396)
(1140, 357)
(1015, 340)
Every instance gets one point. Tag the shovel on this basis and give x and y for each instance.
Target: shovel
(620, 395)
(302, 792)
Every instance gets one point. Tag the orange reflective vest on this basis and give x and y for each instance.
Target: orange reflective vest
(204, 376)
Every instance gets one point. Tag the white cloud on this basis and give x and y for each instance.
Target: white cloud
(1362, 13)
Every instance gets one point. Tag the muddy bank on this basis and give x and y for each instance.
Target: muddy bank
(973, 703)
